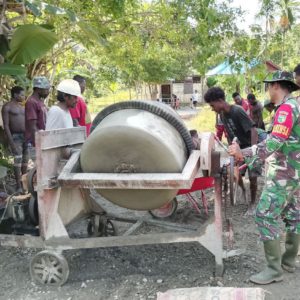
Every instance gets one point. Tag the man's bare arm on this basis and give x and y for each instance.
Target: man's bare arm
(254, 136)
(5, 118)
(32, 129)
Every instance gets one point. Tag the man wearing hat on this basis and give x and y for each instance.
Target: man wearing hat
(59, 115)
(35, 109)
(281, 193)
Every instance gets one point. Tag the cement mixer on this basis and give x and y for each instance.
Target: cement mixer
(137, 137)
(138, 156)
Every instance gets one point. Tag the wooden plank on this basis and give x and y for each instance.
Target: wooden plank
(22, 241)
(61, 137)
(182, 180)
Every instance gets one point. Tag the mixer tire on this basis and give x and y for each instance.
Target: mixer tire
(167, 211)
(49, 267)
(155, 108)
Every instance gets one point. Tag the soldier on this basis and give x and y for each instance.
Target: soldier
(281, 193)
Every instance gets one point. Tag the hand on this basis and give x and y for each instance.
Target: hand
(234, 150)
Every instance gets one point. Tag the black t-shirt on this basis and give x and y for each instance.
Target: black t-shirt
(238, 124)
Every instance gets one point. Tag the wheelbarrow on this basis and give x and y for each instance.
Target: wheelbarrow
(199, 184)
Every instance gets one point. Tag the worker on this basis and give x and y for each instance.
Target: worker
(59, 115)
(238, 100)
(256, 110)
(281, 194)
(36, 111)
(13, 115)
(237, 124)
(80, 113)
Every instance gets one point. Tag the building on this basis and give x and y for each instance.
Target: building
(183, 89)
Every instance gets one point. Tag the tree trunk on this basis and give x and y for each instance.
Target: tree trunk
(153, 91)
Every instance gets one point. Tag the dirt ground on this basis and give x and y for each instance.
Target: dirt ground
(140, 272)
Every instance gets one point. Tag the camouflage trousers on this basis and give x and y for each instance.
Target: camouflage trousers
(280, 199)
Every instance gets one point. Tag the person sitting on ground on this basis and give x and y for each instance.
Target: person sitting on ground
(237, 124)
(238, 100)
(13, 115)
(80, 113)
(59, 115)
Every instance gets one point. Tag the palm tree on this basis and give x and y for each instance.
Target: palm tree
(267, 11)
(288, 10)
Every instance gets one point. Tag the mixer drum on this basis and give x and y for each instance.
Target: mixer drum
(137, 137)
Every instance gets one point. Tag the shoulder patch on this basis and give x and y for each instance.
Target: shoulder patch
(283, 121)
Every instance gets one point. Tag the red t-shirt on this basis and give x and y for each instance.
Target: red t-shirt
(80, 113)
(245, 106)
(35, 109)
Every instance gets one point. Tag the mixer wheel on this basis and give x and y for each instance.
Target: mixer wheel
(158, 109)
(101, 226)
(166, 211)
(49, 267)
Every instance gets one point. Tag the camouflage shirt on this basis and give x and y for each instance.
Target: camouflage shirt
(283, 143)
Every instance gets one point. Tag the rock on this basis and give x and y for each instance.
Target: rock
(159, 280)
(219, 283)
(145, 280)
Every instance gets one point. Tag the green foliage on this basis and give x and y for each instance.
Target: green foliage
(11, 69)
(30, 42)
(211, 81)
(130, 42)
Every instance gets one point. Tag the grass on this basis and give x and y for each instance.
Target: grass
(204, 121)
(97, 104)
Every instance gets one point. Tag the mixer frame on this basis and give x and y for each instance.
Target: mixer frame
(63, 197)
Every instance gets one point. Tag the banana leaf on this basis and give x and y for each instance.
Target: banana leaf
(30, 42)
(11, 69)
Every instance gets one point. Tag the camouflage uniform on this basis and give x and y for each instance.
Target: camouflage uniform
(281, 152)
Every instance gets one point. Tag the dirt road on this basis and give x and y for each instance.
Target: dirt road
(140, 272)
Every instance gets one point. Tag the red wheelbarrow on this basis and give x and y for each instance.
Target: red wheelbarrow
(199, 184)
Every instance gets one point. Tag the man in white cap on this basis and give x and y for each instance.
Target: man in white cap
(59, 115)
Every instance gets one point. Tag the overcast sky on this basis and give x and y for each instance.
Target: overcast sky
(251, 8)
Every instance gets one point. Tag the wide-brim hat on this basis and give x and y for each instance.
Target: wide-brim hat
(283, 76)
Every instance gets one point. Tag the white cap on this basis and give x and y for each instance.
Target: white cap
(69, 86)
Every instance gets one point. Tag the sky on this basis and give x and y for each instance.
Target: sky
(251, 8)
